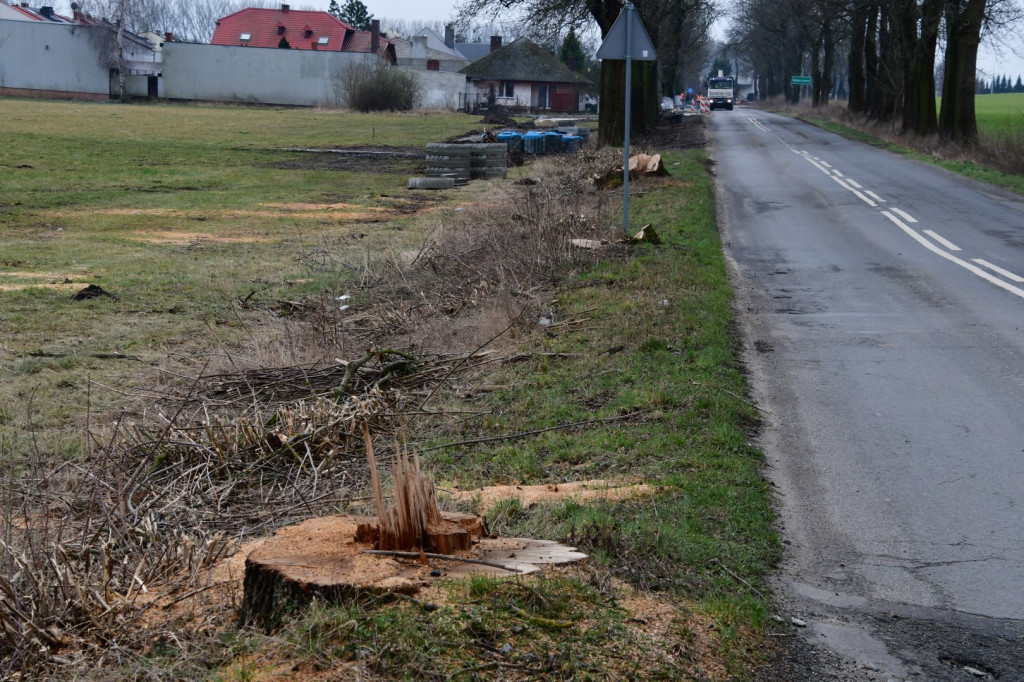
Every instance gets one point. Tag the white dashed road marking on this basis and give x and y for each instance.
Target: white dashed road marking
(940, 239)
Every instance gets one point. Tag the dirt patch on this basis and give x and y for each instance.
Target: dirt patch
(391, 160)
(173, 237)
(552, 492)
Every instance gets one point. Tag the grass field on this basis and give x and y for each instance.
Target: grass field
(178, 213)
(1000, 115)
(208, 231)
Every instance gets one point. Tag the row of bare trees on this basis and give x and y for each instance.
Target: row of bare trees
(887, 49)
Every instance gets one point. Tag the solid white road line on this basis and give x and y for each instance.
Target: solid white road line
(939, 238)
(998, 270)
(853, 184)
(903, 214)
(1016, 291)
(877, 198)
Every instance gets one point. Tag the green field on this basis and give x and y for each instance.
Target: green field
(178, 212)
(1000, 115)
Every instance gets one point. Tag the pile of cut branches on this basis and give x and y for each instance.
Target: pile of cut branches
(224, 455)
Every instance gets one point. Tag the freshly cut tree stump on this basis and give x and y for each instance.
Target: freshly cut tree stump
(323, 559)
(326, 558)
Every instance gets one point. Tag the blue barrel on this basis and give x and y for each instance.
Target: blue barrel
(512, 139)
(572, 143)
(553, 142)
(535, 143)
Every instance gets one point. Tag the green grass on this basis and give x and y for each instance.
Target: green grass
(999, 115)
(705, 539)
(179, 212)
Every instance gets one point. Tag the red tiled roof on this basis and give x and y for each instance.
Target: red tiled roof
(303, 29)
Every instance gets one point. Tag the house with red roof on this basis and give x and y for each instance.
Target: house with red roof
(299, 30)
(22, 12)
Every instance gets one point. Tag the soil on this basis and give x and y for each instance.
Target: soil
(550, 492)
(383, 159)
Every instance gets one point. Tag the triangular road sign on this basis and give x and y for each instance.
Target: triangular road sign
(640, 45)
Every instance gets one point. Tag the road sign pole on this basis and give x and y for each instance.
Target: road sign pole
(629, 93)
(619, 44)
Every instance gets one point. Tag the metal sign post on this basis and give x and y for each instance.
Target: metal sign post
(627, 35)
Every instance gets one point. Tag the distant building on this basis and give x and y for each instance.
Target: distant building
(524, 75)
(427, 50)
(299, 30)
(22, 12)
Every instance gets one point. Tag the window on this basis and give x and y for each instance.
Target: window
(308, 33)
(322, 41)
(433, 65)
(280, 30)
(507, 89)
(245, 37)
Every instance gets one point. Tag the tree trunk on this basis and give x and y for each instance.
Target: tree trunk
(887, 83)
(872, 65)
(957, 121)
(858, 83)
(919, 114)
(816, 70)
(828, 65)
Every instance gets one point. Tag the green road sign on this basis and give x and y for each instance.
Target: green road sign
(801, 80)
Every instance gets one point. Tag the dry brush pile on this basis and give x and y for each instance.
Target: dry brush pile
(91, 548)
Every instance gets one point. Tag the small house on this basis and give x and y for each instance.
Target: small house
(523, 75)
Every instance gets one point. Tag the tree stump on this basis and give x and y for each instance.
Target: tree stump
(323, 559)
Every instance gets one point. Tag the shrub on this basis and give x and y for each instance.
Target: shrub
(376, 85)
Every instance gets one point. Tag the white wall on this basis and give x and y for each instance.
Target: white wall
(272, 76)
(53, 57)
(440, 89)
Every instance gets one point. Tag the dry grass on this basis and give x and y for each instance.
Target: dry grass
(253, 437)
(1001, 149)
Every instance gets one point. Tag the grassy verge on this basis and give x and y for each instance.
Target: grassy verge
(645, 342)
(995, 160)
(209, 232)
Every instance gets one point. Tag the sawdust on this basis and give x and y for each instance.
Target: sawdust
(28, 274)
(66, 286)
(334, 211)
(598, 489)
(173, 237)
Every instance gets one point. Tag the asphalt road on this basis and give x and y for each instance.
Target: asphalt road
(882, 303)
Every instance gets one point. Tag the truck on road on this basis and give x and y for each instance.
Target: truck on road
(721, 91)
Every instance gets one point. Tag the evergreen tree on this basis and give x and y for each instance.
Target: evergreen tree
(334, 10)
(723, 64)
(284, 44)
(1018, 86)
(571, 53)
(355, 13)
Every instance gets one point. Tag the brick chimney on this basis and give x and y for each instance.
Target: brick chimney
(449, 36)
(285, 8)
(168, 37)
(375, 36)
(495, 43)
